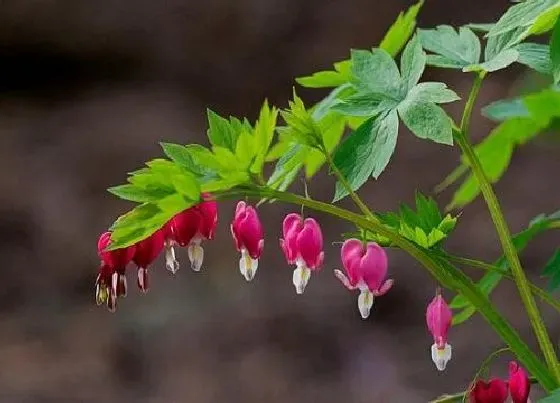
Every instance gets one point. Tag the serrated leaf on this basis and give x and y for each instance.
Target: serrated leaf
(432, 92)
(221, 132)
(366, 151)
(413, 61)
(376, 72)
(523, 15)
(301, 127)
(499, 43)
(287, 166)
(535, 56)
(555, 52)
(455, 49)
(427, 121)
(145, 219)
(401, 30)
(365, 104)
(326, 79)
(263, 134)
(140, 194)
(498, 62)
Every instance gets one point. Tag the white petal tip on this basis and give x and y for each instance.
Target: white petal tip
(300, 278)
(441, 356)
(248, 266)
(196, 256)
(365, 302)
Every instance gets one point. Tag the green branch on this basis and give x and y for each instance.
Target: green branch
(504, 235)
(477, 264)
(440, 268)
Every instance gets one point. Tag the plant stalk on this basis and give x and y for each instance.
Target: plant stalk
(504, 235)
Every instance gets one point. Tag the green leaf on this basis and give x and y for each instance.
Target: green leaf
(498, 62)
(506, 109)
(453, 49)
(332, 127)
(552, 271)
(554, 397)
(221, 132)
(140, 194)
(144, 220)
(523, 15)
(499, 43)
(301, 128)
(366, 151)
(194, 158)
(263, 134)
(365, 104)
(427, 121)
(376, 72)
(401, 30)
(287, 166)
(432, 92)
(325, 79)
(413, 61)
(425, 226)
(535, 56)
(555, 52)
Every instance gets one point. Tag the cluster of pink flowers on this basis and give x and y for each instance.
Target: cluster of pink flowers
(187, 229)
(496, 390)
(364, 263)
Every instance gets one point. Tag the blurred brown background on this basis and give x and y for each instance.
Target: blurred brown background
(88, 89)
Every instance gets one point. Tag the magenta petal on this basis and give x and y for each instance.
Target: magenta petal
(519, 384)
(438, 319)
(350, 254)
(495, 391)
(373, 266)
(310, 243)
(148, 250)
(209, 212)
(289, 222)
(247, 230)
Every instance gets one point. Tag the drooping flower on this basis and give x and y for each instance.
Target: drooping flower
(189, 228)
(303, 246)
(438, 319)
(519, 384)
(366, 269)
(111, 279)
(495, 391)
(146, 252)
(247, 233)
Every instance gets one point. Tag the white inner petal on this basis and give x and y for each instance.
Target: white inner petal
(365, 302)
(301, 277)
(196, 255)
(441, 356)
(247, 265)
(171, 262)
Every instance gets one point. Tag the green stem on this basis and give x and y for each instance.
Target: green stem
(437, 266)
(342, 179)
(477, 264)
(504, 235)
(482, 368)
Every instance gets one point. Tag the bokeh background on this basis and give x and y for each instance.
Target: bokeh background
(89, 88)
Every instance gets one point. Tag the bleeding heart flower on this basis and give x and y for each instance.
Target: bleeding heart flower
(111, 279)
(303, 246)
(366, 268)
(146, 252)
(519, 384)
(189, 228)
(247, 233)
(438, 319)
(495, 391)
